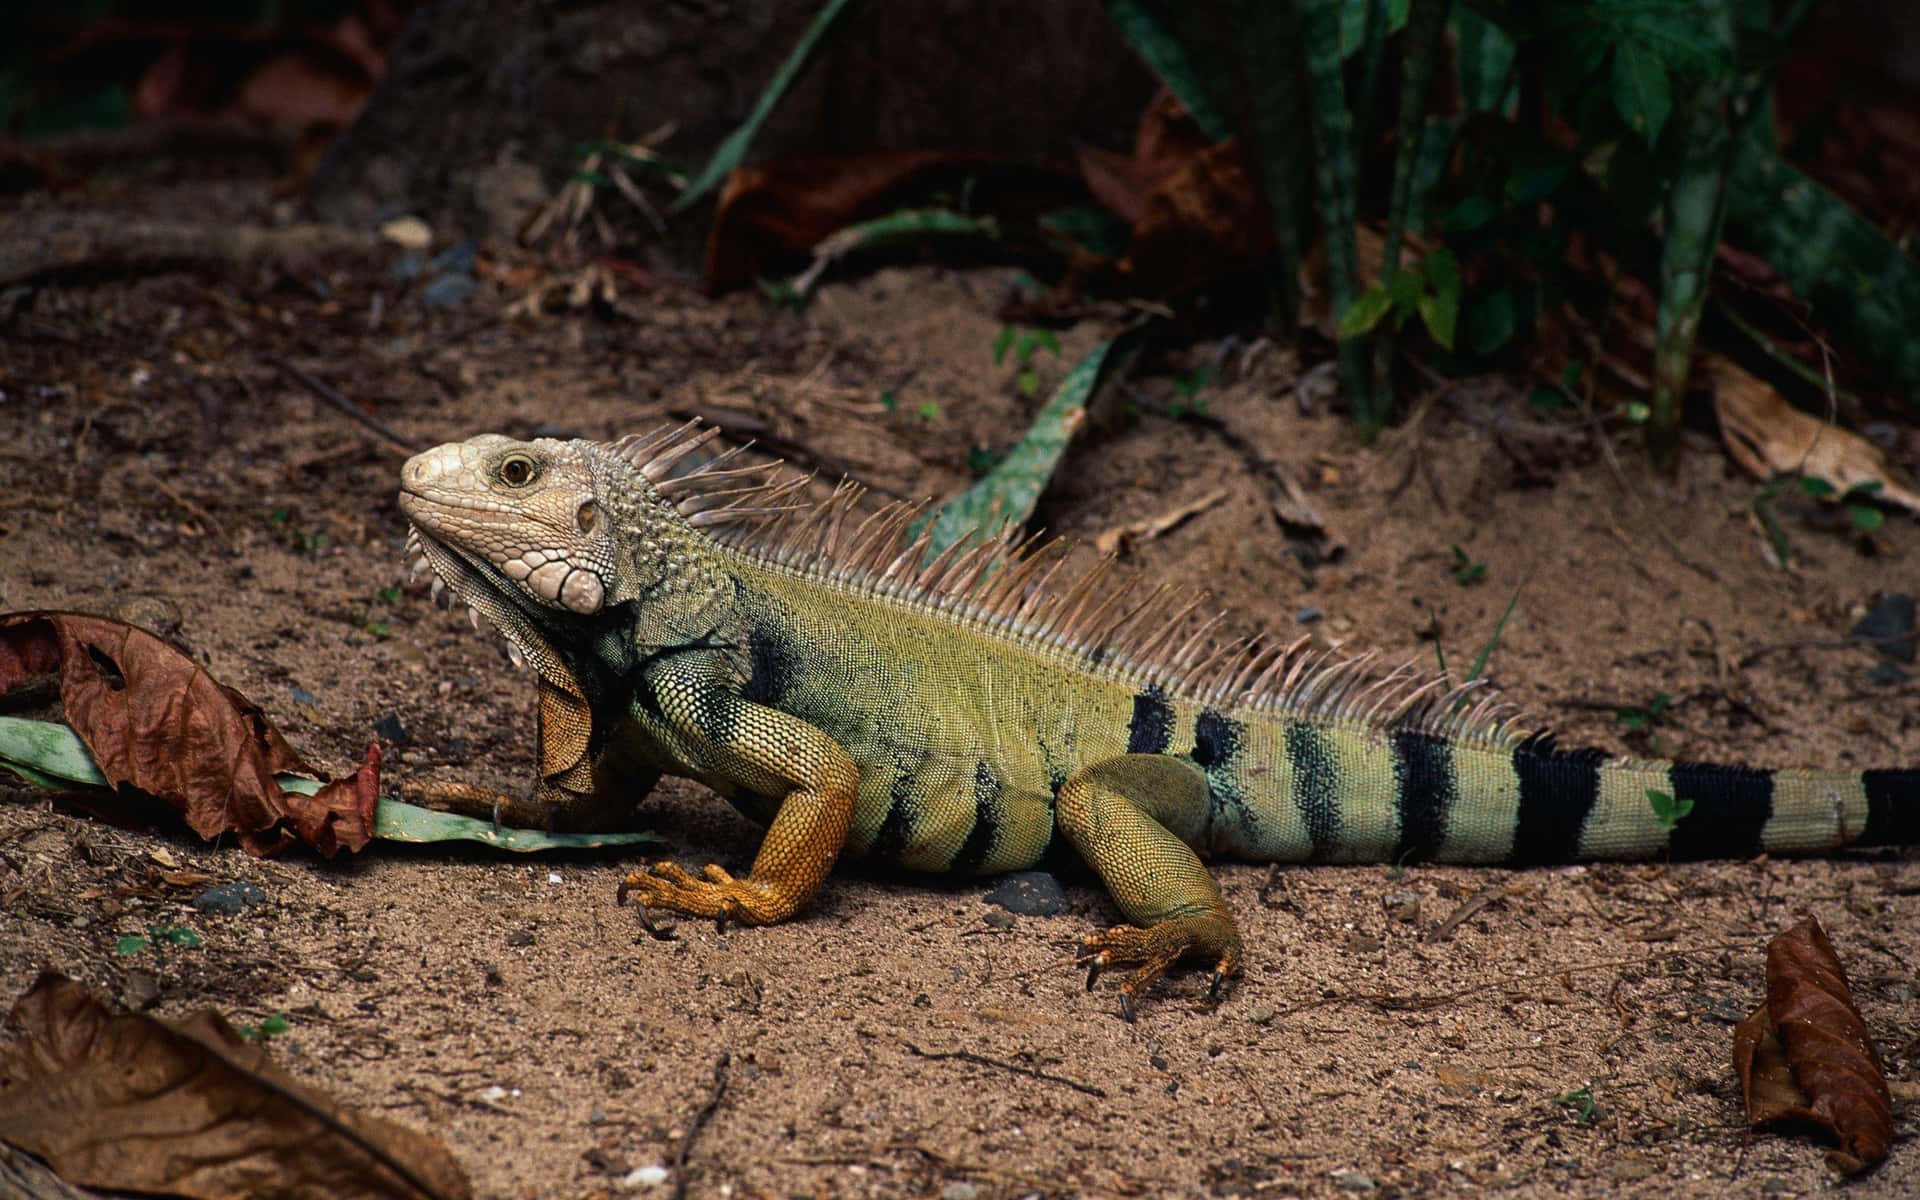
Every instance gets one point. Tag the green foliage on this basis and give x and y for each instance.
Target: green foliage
(783, 294)
(1658, 94)
(1190, 384)
(1493, 641)
(1644, 718)
(1667, 810)
(1430, 290)
(158, 937)
(1856, 502)
(269, 1027)
(1581, 1101)
(1024, 344)
(1866, 516)
(1635, 111)
(1465, 571)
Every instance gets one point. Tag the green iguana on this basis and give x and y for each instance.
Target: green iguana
(698, 618)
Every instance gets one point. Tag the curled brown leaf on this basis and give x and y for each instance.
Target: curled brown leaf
(157, 723)
(1805, 1056)
(123, 1101)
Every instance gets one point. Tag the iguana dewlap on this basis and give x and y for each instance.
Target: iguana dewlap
(960, 714)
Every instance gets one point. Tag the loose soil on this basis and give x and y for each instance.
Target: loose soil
(903, 1037)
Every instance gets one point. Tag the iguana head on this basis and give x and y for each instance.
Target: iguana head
(554, 542)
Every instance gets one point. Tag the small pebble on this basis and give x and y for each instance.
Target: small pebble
(1889, 627)
(229, 898)
(1030, 894)
(409, 233)
(445, 291)
(1308, 615)
(301, 695)
(644, 1177)
(520, 937)
(960, 1190)
(1402, 906)
(458, 258)
(1354, 1181)
(390, 730)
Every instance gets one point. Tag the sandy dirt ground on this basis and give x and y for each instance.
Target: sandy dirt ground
(1416, 1031)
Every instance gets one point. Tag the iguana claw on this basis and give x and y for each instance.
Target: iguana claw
(1095, 963)
(659, 933)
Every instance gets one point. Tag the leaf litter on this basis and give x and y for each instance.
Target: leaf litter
(192, 1109)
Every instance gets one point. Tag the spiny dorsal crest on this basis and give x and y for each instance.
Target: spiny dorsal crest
(1112, 623)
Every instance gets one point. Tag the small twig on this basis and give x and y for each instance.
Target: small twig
(1266, 1114)
(699, 1123)
(73, 469)
(188, 506)
(1468, 909)
(334, 398)
(983, 1061)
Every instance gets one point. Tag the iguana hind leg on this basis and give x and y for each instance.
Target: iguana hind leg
(1131, 817)
(764, 750)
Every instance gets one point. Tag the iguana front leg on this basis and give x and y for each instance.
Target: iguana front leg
(1131, 817)
(571, 790)
(763, 750)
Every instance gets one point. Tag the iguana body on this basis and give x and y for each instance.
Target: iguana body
(959, 716)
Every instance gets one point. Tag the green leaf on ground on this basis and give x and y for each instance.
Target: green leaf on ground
(1007, 493)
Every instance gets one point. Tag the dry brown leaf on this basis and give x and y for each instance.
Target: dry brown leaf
(1805, 1057)
(1767, 436)
(1164, 142)
(1193, 208)
(123, 1101)
(157, 723)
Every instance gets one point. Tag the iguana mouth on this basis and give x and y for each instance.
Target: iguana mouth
(489, 596)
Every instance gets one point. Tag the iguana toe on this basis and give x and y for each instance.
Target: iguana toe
(713, 893)
(1154, 950)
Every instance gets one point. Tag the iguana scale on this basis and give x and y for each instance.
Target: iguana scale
(696, 617)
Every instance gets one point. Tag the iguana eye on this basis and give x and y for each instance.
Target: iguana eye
(586, 516)
(517, 471)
